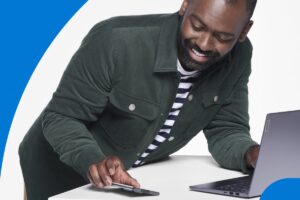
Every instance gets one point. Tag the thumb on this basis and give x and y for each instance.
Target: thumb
(134, 183)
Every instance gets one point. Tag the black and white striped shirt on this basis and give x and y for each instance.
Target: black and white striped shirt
(185, 85)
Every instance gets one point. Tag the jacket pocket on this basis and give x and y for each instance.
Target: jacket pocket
(128, 119)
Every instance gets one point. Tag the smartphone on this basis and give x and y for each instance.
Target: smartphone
(135, 190)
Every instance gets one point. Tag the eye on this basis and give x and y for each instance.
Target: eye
(197, 26)
(224, 38)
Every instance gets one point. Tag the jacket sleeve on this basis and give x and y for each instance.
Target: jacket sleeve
(228, 133)
(79, 100)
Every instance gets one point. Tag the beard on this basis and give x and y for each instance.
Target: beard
(185, 46)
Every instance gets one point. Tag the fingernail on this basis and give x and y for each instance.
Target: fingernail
(111, 171)
(108, 180)
(100, 185)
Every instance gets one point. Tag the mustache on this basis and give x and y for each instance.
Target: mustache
(190, 44)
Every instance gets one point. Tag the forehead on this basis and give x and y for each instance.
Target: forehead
(219, 14)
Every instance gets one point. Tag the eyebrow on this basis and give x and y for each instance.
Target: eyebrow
(216, 32)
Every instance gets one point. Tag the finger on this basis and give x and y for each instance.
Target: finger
(95, 176)
(253, 162)
(104, 175)
(90, 179)
(112, 164)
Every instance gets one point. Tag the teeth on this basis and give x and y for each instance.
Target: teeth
(197, 53)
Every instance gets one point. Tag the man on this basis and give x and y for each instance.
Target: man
(138, 89)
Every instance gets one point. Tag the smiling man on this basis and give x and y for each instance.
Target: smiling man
(210, 29)
(138, 89)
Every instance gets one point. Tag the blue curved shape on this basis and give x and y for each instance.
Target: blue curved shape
(287, 189)
(27, 29)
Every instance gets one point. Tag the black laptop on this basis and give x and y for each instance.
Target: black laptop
(278, 158)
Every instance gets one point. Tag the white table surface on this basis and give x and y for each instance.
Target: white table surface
(171, 178)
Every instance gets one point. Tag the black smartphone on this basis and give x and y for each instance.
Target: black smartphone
(135, 190)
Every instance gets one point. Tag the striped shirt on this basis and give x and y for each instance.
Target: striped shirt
(184, 87)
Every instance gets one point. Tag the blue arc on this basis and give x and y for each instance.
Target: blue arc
(283, 189)
(27, 29)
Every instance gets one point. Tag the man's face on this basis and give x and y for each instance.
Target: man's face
(209, 30)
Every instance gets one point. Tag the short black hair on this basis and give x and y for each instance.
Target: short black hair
(251, 6)
(249, 3)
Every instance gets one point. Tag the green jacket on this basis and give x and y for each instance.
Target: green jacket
(127, 61)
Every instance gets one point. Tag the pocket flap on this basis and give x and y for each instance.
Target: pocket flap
(133, 105)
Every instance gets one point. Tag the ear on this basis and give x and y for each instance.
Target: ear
(183, 7)
(245, 31)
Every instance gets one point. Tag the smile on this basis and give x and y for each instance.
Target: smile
(198, 53)
(197, 56)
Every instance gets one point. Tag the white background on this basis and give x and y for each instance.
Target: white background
(274, 83)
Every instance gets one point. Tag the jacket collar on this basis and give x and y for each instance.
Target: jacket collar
(166, 58)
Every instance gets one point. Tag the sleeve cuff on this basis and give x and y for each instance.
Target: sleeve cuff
(87, 157)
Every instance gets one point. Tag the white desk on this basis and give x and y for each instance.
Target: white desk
(171, 178)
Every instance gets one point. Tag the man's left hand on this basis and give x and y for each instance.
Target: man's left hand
(251, 156)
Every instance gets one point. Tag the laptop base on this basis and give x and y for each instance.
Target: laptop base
(237, 187)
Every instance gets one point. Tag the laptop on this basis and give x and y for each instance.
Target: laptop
(278, 159)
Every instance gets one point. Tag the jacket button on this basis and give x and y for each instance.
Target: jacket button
(131, 107)
(171, 138)
(216, 99)
(190, 97)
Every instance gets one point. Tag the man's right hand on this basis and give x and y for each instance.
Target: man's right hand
(108, 170)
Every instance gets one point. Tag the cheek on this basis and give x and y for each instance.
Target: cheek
(187, 31)
(223, 49)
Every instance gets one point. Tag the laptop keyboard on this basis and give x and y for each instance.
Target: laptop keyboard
(242, 188)
(238, 185)
(233, 187)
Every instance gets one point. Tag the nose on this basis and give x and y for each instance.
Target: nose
(205, 41)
